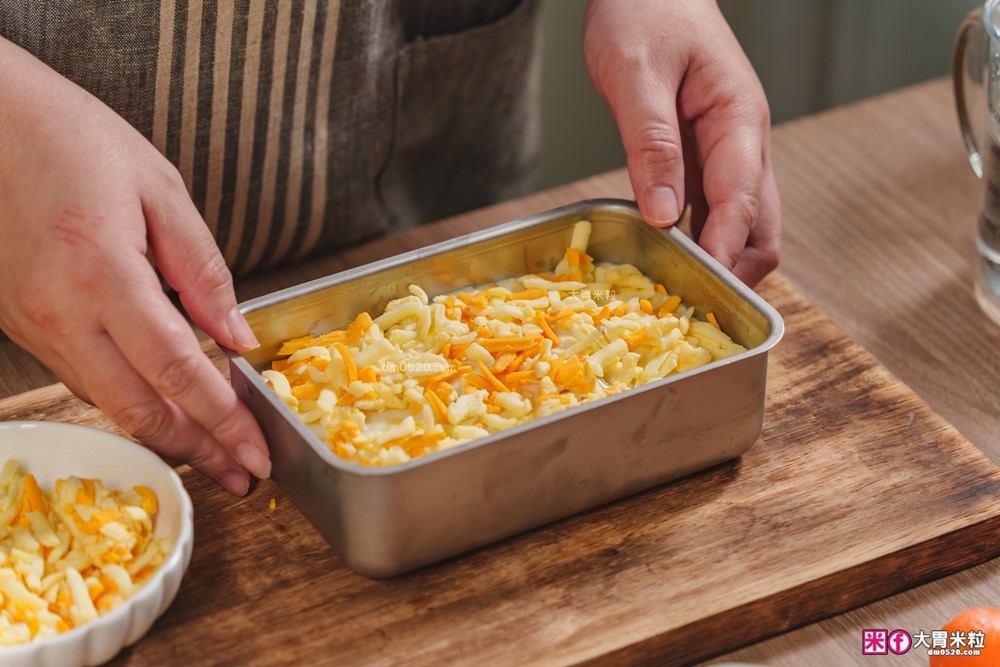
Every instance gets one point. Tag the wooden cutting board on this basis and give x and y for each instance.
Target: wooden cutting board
(855, 491)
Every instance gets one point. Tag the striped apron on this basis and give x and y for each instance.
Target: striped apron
(305, 125)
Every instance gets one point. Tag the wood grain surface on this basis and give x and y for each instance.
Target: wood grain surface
(879, 210)
(855, 491)
(882, 232)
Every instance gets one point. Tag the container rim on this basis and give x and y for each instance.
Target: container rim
(773, 318)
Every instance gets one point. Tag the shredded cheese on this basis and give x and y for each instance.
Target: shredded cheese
(428, 374)
(72, 554)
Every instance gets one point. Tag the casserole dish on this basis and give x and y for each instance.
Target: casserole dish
(384, 521)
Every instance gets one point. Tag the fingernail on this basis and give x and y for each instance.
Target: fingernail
(240, 331)
(661, 205)
(235, 483)
(254, 460)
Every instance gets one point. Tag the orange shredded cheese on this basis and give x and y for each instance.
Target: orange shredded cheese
(490, 378)
(527, 295)
(669, 306)
(520, 359)
(296, 344)
(602, 315)
(71, 554)
(547, 330)
(357, 328)
(345, 354)
(520, 377)
(512, 344)
(437, 405)
(149, 502)
(307, 391)
(431, 373)
(636, 338)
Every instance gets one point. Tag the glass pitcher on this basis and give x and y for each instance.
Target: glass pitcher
(975, 65)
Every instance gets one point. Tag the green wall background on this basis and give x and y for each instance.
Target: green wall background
(809, 54)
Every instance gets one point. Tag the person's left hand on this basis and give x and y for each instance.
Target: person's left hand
(694, 122)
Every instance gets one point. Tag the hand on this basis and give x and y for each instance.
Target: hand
(694, 122)
(84, 197)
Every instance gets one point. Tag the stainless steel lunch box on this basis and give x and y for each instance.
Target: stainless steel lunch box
(386, 521)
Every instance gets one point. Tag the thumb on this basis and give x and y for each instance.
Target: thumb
(647, 119)
(192, 264)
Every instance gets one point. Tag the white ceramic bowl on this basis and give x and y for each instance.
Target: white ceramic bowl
(49, 451)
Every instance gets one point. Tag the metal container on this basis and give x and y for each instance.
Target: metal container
(386, 521)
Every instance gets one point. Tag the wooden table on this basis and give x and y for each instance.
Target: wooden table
(879, 208)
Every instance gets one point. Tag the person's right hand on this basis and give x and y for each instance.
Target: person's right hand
(83, 196)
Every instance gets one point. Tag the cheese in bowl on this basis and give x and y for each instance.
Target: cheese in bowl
(70, 554)
(428, 374)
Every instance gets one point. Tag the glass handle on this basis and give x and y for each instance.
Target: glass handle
(966, 60)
